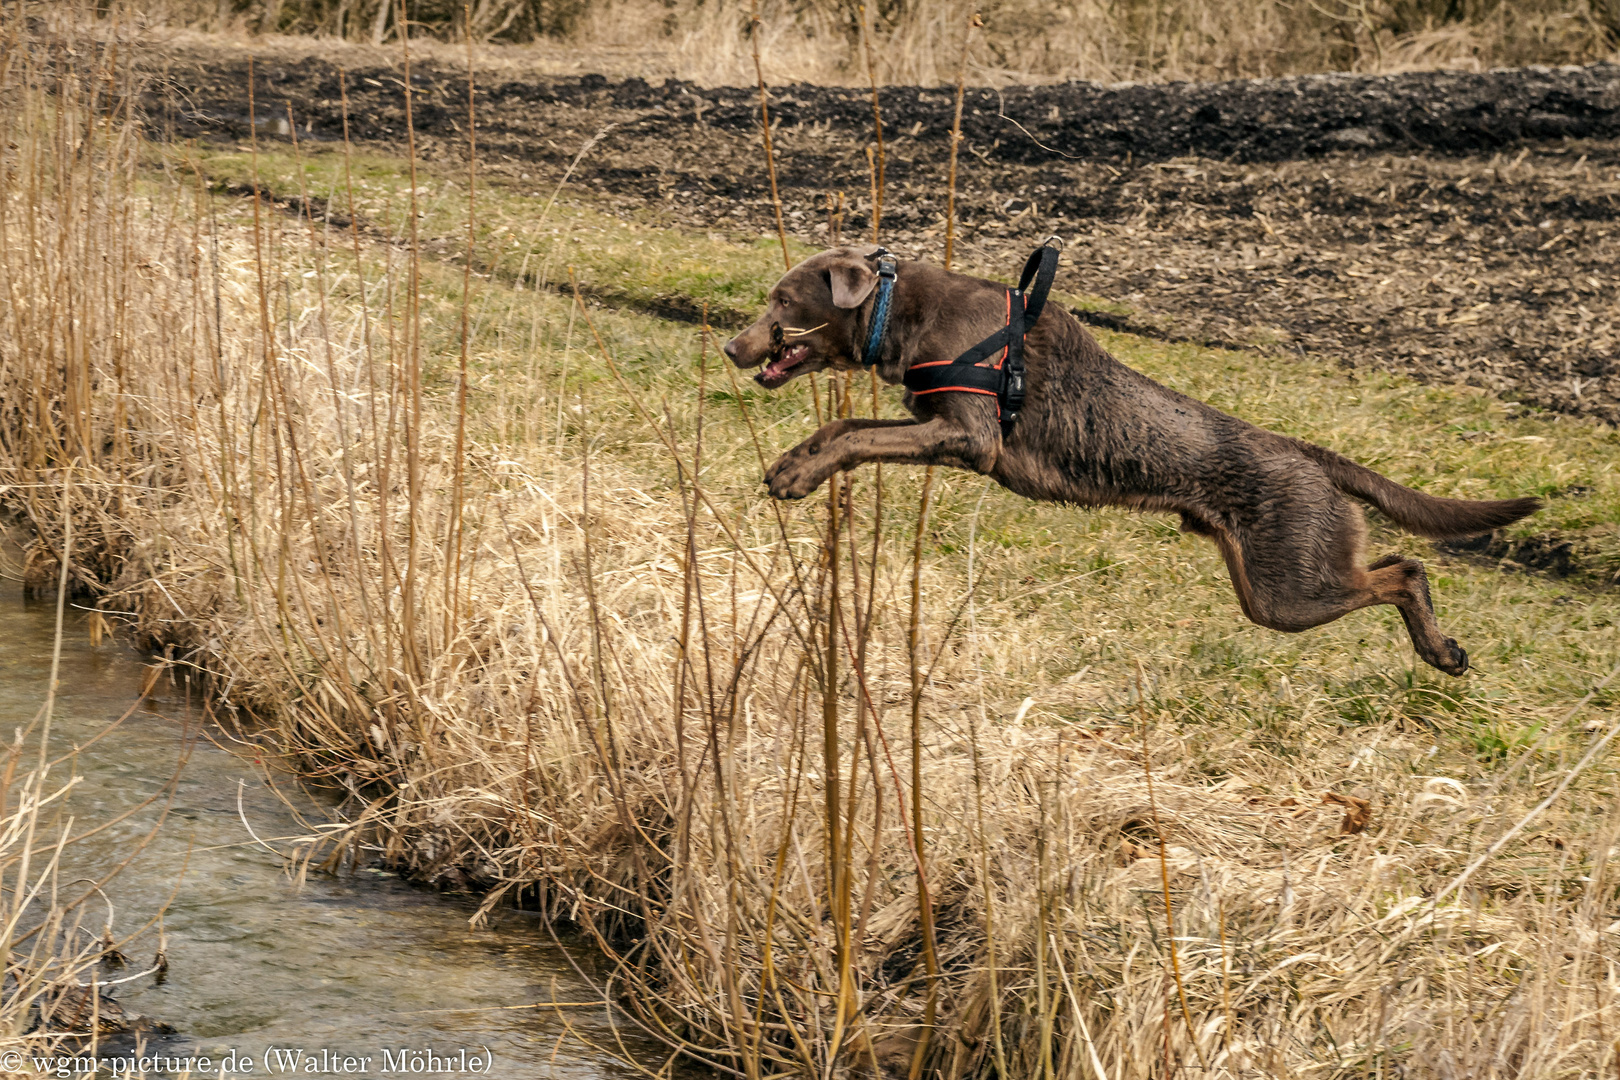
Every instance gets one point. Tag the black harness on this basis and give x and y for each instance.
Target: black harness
(1003, 380)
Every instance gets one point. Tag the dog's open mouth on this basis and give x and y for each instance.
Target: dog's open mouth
(780, 370)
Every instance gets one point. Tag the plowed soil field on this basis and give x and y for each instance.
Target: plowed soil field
(1454, 226)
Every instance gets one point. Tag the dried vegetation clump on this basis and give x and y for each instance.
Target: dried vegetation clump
(59, 952)
(491, 561)
(818, 41)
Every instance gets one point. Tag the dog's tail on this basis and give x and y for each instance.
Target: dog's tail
(1426, 515)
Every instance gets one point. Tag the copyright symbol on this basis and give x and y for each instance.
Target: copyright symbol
(11, 1061)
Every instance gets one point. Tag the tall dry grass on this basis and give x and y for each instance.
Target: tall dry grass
(58, 950)
(537, 631)
(819, 41)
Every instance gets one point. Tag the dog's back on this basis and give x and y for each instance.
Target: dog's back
(1121, 437)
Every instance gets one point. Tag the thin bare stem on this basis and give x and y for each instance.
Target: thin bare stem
(452, 574)
(754, 27)
(875, 157)
(973, 23)
(413, 376)
(925, 903)
(1164, 881)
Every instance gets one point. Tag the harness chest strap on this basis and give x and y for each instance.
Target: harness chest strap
(1003, 380)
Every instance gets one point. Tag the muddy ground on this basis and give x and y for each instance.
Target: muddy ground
(1457, 227)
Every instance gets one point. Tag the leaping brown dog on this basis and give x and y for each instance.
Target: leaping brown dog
(1093, 432)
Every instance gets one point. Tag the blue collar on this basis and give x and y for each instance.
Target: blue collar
(886, 269)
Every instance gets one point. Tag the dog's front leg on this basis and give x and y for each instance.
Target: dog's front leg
(844, 444)
(802, 469)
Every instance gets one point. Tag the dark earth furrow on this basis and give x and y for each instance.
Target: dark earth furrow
(1459, 227)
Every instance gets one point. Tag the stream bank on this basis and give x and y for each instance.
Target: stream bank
(352, 965)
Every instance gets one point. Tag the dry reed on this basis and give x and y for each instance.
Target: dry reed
(974, 22)
(54, 928)
(875, 155)
(755, 26)
(821, 41)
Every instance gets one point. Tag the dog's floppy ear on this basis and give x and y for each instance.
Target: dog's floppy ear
(851, 278)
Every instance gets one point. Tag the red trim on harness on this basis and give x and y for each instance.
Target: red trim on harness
(963, 390)
(1007, 347)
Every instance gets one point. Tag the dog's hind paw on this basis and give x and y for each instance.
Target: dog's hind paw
(1454, 661)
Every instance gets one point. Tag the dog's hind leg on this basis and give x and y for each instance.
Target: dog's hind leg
(1292, 575)
(1403, 582)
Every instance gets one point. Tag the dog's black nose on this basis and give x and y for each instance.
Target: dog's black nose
(731, 349)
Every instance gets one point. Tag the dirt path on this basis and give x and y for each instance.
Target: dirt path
(1458, 227)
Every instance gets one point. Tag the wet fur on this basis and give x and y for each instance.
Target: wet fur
(1093, 432)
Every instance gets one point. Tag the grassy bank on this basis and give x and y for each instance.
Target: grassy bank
(498, 564)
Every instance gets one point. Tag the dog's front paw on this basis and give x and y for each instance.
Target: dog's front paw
(794, 475)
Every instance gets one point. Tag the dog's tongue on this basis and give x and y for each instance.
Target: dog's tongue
(778, 369)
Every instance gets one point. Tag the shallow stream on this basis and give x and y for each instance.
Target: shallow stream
(355, 965)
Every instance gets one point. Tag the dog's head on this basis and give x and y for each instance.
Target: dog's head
(810, 318)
